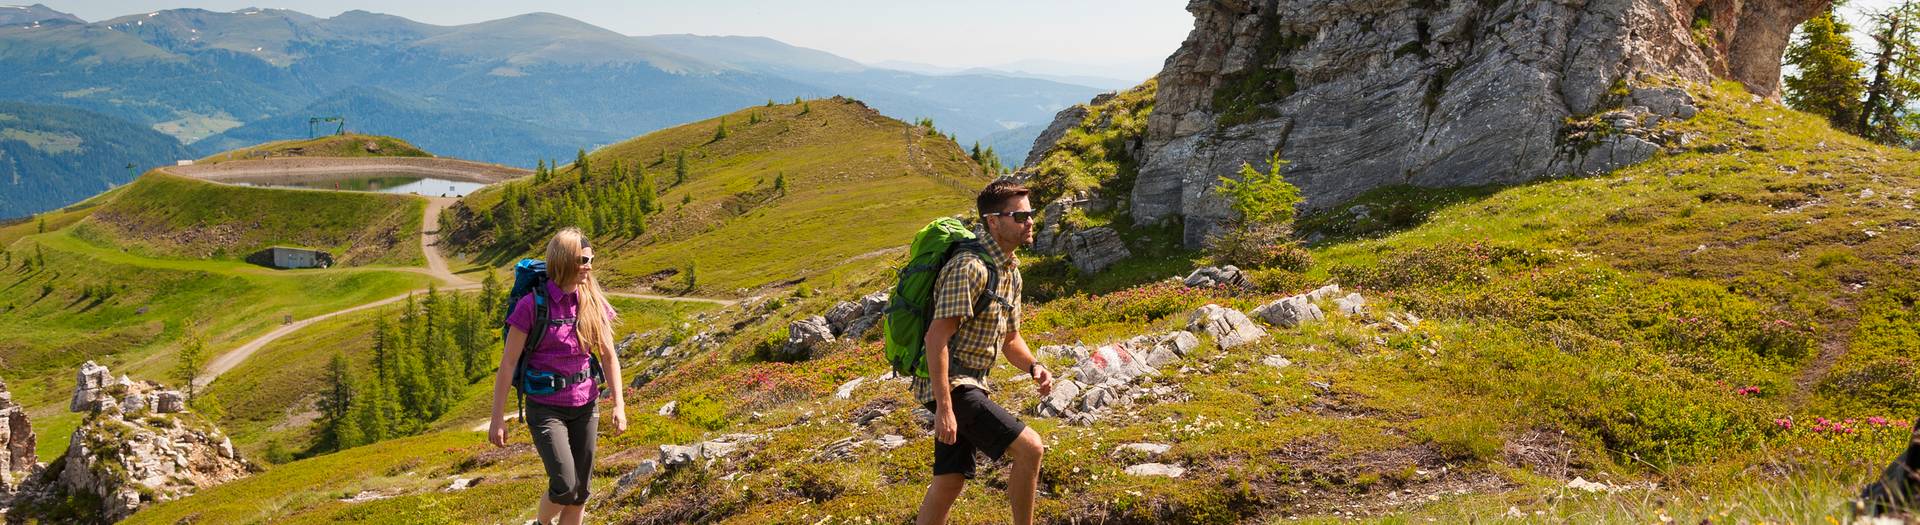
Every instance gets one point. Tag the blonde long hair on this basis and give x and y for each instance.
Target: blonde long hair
(563, 263)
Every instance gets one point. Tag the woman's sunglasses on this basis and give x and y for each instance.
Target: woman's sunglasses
(1018, 216)
(586, 260)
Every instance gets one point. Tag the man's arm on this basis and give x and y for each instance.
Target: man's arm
(938, 357)
(1018, 355)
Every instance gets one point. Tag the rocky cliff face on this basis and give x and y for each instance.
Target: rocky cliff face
(1359, 94)
(16, 446)
(138, 445)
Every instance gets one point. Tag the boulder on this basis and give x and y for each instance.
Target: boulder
(669, 409)
(1228, 327)
(1111, 364)
(875, 303)
(87, 386)
(1093, 250)
(841, 314)
(1324, 293)
(1059, 403)
(1165, 349)
(1276, 361)
(1352, 304)
(805, 336)
(170, 402)
(1224, 276)
(890, 441)
(1290, 312)
(676, 455)
(1156, 469)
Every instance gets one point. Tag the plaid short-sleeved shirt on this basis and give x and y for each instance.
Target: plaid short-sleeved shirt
(977, 342)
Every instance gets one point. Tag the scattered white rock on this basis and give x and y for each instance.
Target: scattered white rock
(460, 484)
(1151, 449)
(1156, 469)
(1290, 312)
(846, 390)
(1276, 361)
(1228, 327)
(1323, 293)
(890, 441)
(1352, 304)
(670, 408)
(676, 455)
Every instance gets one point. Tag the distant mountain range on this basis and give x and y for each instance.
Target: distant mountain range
(54, 155)
(511, 91)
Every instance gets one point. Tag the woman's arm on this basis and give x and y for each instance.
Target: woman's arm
(610, 362)
(502, 383)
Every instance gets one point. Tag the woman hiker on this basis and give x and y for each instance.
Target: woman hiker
(564, 424)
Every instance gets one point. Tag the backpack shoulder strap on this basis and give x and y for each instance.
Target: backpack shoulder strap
(991, 294)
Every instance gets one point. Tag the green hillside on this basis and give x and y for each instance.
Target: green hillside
(345, 145)
(789, 193)
(52, 156)
(1674, 330)
(167, 215)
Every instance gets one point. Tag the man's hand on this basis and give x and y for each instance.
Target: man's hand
(945, 428)
(1043, 378)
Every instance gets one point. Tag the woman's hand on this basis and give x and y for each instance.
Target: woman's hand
(497, 432)
(619, 419)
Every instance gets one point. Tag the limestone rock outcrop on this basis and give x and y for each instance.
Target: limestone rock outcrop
(17, 458)
(138, 444)
(1359, 94)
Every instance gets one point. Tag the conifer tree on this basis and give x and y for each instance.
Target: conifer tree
(339, 427)
(1885, 117)
(680, 169)
(580, 164)
(1826, 78)
(721, 132)
(191, 360)
(780, 183)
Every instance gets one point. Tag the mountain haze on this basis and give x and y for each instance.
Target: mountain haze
(511, 90)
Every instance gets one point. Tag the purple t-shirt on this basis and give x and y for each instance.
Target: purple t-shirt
(560, 350)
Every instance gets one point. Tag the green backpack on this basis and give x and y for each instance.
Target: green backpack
(911, 308)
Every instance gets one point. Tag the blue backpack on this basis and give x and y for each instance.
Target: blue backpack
(530, 277)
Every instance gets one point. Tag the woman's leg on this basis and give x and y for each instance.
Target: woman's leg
(581, 433)
(550, 512)
(550, 439)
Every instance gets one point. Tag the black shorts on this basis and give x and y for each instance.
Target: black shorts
(981, 425)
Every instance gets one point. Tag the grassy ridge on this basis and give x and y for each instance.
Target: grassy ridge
(130, 312)
(856, 183)
(347, 145)
(172, 216)
(271, 396)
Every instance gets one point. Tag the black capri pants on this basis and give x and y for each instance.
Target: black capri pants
(564, 438)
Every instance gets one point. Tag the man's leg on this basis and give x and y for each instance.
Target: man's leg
(940, 497)
(1024, 481)
(572, 514)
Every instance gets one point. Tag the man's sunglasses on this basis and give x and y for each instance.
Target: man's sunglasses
(1018, 216)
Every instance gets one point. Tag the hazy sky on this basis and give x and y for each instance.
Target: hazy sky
(946, 33)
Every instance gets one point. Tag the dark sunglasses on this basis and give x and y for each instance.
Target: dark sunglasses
(586, 260)
(1018, 216)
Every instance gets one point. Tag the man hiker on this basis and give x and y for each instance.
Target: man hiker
(960, 349)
